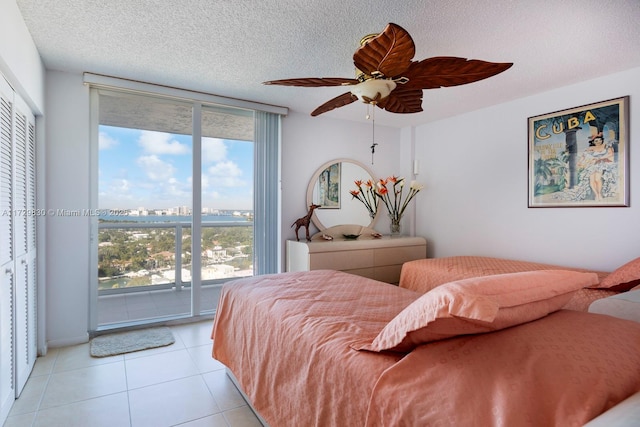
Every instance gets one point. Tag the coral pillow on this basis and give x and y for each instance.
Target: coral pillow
(624, 278)
(478, 305)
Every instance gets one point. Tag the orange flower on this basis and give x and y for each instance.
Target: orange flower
(367, 196)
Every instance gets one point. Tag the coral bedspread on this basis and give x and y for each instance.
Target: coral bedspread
(425, 274)
(287, 339)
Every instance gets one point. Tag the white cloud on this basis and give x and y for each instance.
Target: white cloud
(156, 169)
(160, 143)
(106, 142)
(175, 190)
(122, 185)
(117, 194)
(224, 174)
(213, 150)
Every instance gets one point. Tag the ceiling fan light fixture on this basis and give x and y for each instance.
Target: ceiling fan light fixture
(373, 90)
(384, 61)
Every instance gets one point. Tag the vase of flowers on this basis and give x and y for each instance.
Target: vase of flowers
(391, 191)
(397, 204)
(366, 193)
(394, 226)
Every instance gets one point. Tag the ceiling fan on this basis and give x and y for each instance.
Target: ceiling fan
(386, 75)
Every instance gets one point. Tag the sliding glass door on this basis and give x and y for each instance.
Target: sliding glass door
(174, 206)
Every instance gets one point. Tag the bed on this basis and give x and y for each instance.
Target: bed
(323, 348)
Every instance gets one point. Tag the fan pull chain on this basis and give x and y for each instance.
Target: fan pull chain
(373, 130)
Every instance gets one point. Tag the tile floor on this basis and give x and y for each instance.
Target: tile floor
(175, 385)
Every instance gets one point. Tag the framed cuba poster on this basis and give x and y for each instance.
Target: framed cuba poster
(579, 157)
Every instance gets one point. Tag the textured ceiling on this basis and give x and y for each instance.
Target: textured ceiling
(228, 47)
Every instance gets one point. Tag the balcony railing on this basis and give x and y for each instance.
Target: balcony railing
(138, 243)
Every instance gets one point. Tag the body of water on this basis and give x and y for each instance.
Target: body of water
(171, 218)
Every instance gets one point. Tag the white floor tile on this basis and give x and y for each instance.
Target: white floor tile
(196, 335)
(223, 390)
(106, 411)
(85, 383)
(216, 420)
(171, 403)
(201, 356)
(158, 368)
(44, 364)
(31, 396)
(79, 356)
(175, 385)
(24, 420)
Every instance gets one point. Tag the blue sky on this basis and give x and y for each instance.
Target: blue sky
(148, 169)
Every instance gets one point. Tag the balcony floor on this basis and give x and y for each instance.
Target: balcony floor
(146, 305)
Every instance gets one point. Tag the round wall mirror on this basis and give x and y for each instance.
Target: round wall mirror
(330, 188)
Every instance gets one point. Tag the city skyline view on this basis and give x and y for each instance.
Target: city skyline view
(140, 168)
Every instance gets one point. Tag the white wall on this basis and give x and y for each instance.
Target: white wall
(67, 187)
(19, 59)
(475, 202)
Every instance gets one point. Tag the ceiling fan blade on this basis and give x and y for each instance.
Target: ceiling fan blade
(338, 101)
(443, 71)
(313, 82)
(402, 100)
(390, 52)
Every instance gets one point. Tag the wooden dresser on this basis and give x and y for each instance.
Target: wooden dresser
(379, 259)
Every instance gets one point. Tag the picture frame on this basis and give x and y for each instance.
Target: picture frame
(329, 187)
(579, 157)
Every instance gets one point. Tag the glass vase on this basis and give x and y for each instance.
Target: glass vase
(395, 226)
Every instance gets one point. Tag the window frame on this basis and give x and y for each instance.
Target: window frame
(267, 173)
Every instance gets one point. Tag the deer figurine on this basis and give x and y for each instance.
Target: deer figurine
(304, 222)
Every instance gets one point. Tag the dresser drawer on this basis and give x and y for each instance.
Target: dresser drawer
(343, 260)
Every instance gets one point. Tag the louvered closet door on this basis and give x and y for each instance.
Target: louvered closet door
(24, 241)
(7, 377)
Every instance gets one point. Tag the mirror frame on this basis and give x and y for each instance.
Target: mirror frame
(312, 184)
